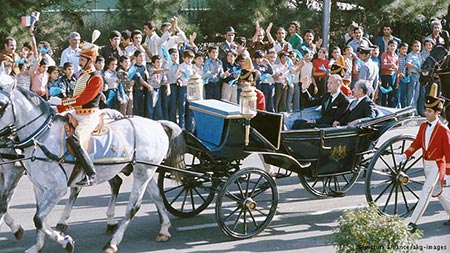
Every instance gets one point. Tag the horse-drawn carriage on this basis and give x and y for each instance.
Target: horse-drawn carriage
(328, 161)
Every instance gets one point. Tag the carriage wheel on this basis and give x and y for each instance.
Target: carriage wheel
(189, 195)
(394, 188)
(330, 186)
(247, 203)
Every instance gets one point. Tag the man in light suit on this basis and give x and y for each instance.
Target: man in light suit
(362, 108)
(228, 44)
(334, 104)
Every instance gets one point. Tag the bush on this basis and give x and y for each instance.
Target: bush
(366, 230)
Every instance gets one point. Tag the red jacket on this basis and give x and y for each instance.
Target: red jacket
(89, 98)
(438, 148)
(260, 100)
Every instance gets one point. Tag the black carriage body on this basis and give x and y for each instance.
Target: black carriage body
(331, 151)
(327, 161)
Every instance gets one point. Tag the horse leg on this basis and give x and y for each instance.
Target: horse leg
(46, 201)
(164, 234)
(9, 180)
(62, 223)
(141, 177)
(16, 229)
(115, 184)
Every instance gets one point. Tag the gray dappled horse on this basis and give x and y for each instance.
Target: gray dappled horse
(10, 176)
(38, 130)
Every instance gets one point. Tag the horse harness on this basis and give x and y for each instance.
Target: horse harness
(9, 139)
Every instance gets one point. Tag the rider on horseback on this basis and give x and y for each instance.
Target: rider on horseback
(85, 102)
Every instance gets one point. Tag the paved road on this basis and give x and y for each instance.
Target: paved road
(302, 224)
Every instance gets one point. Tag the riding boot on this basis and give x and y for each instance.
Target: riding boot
(85, 161)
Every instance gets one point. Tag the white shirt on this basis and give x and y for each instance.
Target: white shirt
(357, 101)
(72, 56)
(306, 70)
(334, 96)
(428, 132)
(154, 43)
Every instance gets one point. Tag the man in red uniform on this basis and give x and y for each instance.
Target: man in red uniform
(84, 107)
(434, 140)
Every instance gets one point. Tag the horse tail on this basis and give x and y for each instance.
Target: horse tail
(177, 145)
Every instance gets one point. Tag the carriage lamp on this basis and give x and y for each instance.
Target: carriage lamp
(195, 88)
(248, 107)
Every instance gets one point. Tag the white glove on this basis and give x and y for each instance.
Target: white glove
(399, 158)
(55, 101)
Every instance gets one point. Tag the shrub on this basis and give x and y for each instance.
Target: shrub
(366, 230)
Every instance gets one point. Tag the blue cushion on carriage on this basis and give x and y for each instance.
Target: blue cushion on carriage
(210, 116)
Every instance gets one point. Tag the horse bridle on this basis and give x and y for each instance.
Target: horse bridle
(439, 64)
(8, 133)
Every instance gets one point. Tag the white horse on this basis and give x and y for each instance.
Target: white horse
(10, 176)
(150, 142)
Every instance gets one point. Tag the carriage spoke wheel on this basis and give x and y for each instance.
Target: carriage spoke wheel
(329, 186)
(393, 187)
(246, 204)
(186, 195)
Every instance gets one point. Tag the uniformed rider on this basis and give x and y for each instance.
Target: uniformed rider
(84, 107)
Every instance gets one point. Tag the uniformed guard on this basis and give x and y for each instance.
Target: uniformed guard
(434, 140)
(84, 107)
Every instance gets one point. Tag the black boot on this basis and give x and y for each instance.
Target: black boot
(85, 161)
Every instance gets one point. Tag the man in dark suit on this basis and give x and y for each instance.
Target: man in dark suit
(362, 108)
(334, 104)
(228, 44)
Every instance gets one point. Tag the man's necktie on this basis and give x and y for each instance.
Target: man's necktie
(429, 124)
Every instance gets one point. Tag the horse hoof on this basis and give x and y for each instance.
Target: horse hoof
(70, 246)
(162, 238)
(61, 227)
(19, 233)
(108, 248)
(111, 228)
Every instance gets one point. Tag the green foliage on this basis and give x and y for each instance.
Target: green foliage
(366, 230)
(134, 13)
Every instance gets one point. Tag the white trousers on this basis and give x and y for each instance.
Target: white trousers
(431, 185)
(86, 125)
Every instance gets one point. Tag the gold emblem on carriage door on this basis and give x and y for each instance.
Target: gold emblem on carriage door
(338, 152)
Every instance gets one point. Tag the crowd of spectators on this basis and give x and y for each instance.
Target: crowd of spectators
(146, 71)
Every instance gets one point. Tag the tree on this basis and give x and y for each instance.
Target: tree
(134, 13)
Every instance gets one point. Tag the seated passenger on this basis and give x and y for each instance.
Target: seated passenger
(361, 108)
(334, 105)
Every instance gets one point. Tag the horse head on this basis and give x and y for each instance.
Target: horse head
(433, 64)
